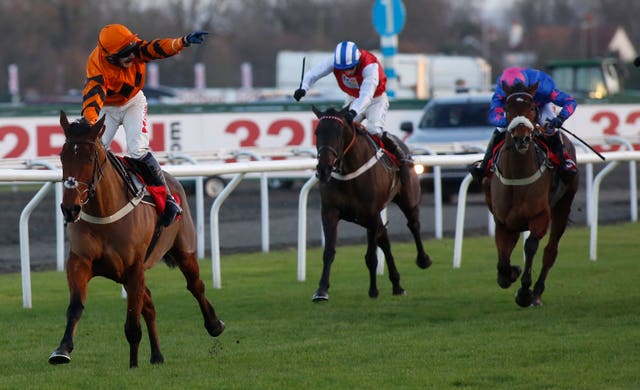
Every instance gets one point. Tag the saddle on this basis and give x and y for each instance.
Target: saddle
(137, 188)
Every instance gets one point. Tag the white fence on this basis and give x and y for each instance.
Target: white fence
(241, 169)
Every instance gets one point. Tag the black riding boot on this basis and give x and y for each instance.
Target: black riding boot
(406, 163)
(567, 168)
(477, 169)
(152, 173)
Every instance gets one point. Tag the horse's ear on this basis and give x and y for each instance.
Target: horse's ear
(100, 125)
(64, 121)
(533, 88)
(506, 88)
(316, 111)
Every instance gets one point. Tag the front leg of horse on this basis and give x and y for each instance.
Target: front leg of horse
(322, 293)
(505, 242)
(62, 354)
(78, 277)
(330, 230)
(524, 297)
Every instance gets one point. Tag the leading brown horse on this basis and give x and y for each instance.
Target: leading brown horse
(112, 235)
(524, 193)
(356, 184)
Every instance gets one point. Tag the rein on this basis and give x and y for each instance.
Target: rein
(98, 174)
(365, 167)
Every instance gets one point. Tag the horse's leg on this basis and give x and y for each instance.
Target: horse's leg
(559, 220)
(78, 276)
(330, 230)
(524, 296)
(382, 240)
(135, 287)
(191, 271)
(411, 211)
(149, 315)
(371, 259)
(505, 242)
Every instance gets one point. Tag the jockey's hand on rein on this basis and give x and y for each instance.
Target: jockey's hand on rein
(555, 123)
(349, 116)
(298, 94)
(196, 37)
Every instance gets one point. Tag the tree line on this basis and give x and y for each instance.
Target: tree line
(50, 40)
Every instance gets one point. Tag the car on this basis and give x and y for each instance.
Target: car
(451, 124)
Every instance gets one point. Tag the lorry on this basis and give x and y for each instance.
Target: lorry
(420, 76)
(589, 79)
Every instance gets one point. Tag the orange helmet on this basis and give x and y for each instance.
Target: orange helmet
(115, 38)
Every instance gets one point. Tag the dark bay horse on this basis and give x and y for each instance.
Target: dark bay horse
(356, 184)
(524, 193)
(113, 236)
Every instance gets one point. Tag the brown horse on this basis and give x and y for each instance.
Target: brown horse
(525, 194)
(357, 181)
(113, 236)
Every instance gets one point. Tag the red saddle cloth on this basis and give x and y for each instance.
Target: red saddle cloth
(553, 157)
(158, 193)
(380, 144)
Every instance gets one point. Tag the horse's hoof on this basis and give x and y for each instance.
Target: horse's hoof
(58, 357)
(373, 293)
(524, 297)
(216, 330)
(320, 297)
(424, 262)
(399, 291)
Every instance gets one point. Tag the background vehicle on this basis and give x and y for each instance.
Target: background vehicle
(453, 124)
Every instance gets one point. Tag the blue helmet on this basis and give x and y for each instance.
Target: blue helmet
(513, 76)
(346, 55)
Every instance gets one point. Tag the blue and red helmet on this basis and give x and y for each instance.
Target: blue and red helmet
(513, 76)
(346, 55)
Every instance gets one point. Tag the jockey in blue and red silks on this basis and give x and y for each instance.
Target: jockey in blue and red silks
(361, 77)
(546, 96)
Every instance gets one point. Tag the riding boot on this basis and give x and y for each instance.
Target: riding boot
(567, 167)
(152, 173)
(406, 163)
(478, 168)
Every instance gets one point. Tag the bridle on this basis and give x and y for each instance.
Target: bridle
(71, 183)
(330, 148)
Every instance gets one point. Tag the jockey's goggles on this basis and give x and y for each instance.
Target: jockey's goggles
(127, 50)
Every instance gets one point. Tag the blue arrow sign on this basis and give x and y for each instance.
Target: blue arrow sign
(388, 16)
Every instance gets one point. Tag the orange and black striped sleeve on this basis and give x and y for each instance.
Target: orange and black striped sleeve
(94, 91)
(160, 48)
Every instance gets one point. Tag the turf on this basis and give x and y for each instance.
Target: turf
(454, 329)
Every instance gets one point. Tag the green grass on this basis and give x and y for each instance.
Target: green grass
(455, 328)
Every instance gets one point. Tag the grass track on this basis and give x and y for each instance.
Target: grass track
(456, 329)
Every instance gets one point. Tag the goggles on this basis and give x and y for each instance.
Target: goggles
(127, 50)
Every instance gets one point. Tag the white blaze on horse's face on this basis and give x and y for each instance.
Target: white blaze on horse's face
(520, 120)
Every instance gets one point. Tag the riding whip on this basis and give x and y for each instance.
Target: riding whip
(302, 76)
(583, 142)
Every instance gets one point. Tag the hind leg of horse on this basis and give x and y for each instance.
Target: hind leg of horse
(505, 242)
(411, 211)
(149, 315)
(330, 230)
(524, 297)
(78, 276)
(191, 271)
(381, 239)
(559, 220)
